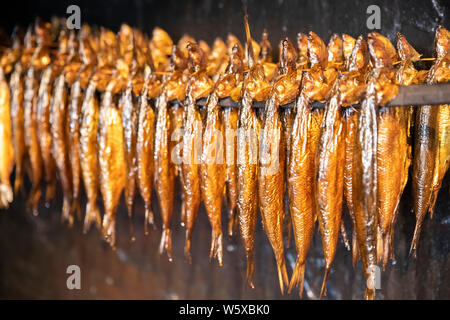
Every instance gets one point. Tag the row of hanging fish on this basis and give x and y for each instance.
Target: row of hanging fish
(111, 113)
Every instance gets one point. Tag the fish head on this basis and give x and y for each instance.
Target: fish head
(405, 51)
(441, 42)
(302, 48)
(335, 50)
(382, 52)
(266, 48)
(348, 43)
(317, 51)
(288, 56)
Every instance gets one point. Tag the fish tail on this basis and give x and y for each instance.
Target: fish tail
(355, 252)
(415, 240)
(345, 236)
(149, 219)
(50, 192)
(66, 212)
(386, 246)
(282, 273)
(216, 247)
(18, 181)
(298, 277)
(232, 217)
(33, 200)
(250, 271)
(380, 246)
(92, 215)
(187, 248)
(433, 199)
(369, 294)
(183, 211)
(76, 209)
(6, 194)
(323, 290)
(166, 243)
(109, 229)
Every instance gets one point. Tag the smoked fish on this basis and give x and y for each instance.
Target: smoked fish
(88, 154)
(6, 147)
(111, 160)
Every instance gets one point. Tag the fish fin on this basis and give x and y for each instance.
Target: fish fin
(92, 215)
(282, 273)
(298, 277)
(344, 236)
(166, 243)
(149, 219)
(323, 290)
(6, 195)
(109, 229)
(216, 247)
(66, 212)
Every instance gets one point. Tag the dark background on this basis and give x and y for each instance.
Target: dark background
(35, 251)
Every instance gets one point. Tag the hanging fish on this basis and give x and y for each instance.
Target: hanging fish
(427, 153)
(199, 86)
(351, 90)
(144, 150)
(379, 90)
(230, 86)
(60, 148)
(255, 86)
(6, 147)
(442, 74)
(17, 125)
(213, 172)
(393, 153)
(329, 190)
(44, 131)
(88, 154)
(31, 139)
(111, 160)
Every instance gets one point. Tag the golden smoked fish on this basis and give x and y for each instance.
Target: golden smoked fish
(60, 148)
(44, 132)
(426, 164)
(199, 86)
(31, 138)
(330, 161)
(379, 90)
(255, 86)
(17, 125)
(213, 172)
(88, 154)
(230, 86)
(352, 89)
(144, 151)
(111, 160)
(271, 183)
(442, 74)
(393, 153)
(164, 172)
(130, 126)
(6, 147)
